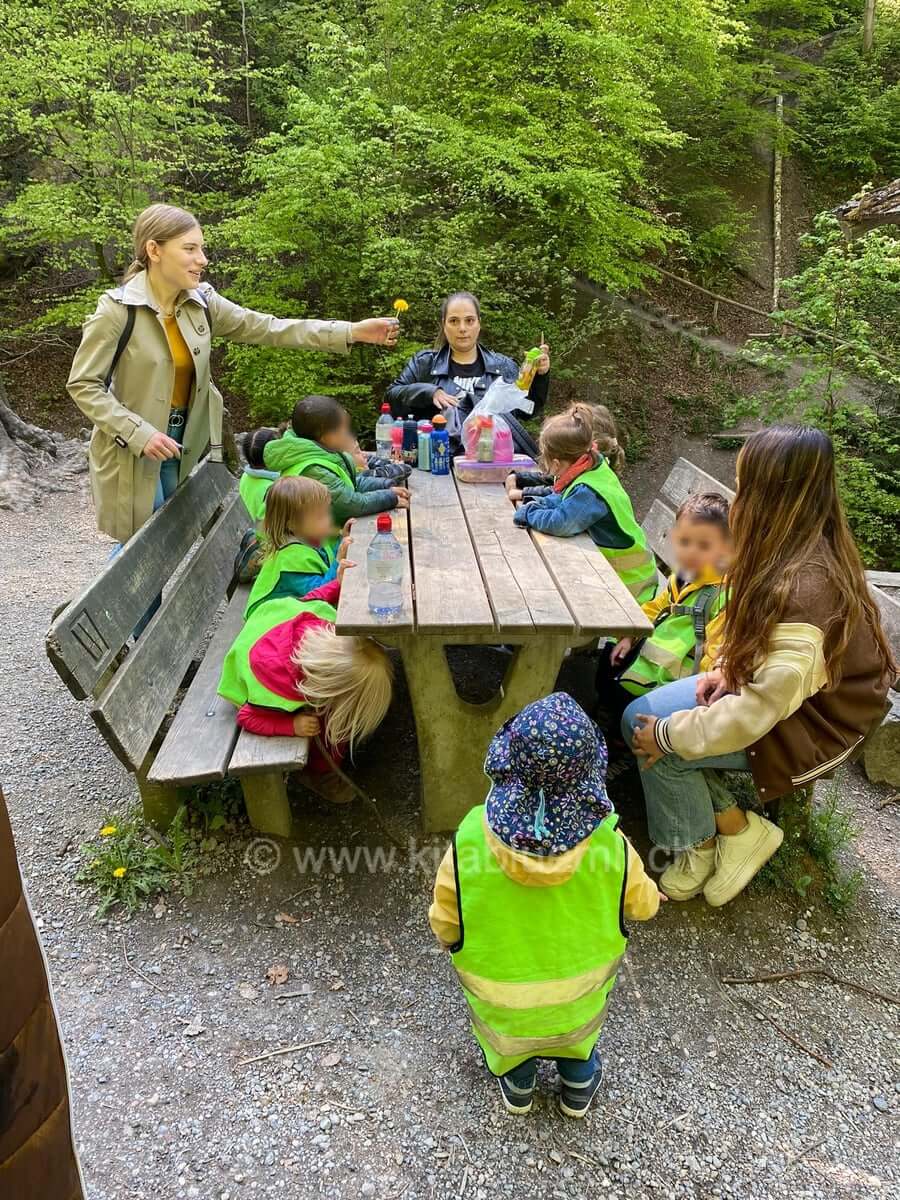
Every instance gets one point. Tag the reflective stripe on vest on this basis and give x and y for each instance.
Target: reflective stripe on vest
(295, 558)
(676, 646)
(634, 564)
(537, 963)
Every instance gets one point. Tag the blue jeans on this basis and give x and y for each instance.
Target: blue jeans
(572, 1070)
(682, 796)
(165, 486)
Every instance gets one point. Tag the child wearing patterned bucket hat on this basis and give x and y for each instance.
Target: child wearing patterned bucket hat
(530, 900)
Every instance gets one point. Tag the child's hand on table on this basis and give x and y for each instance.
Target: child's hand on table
(620, 650)
(644, 742)
(343, 565)
(514, 493)
(346, 543)
(306, 726)
(402, 495)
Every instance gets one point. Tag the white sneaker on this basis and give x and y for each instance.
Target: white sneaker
(739, 856)
(688, 873)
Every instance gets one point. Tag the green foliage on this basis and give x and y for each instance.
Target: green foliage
(127, 864)
(845, 302)
(848, 115)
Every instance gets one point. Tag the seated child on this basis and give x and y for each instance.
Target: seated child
(291, 675)
(255, 479)
(588, 497)
(528, 485)
(529, 898)
(688, 615)
(299, 549)
(319, 446)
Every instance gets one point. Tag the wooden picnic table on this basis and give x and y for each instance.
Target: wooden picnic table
(474, 578)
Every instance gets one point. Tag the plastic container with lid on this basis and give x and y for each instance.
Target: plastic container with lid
(469, 470)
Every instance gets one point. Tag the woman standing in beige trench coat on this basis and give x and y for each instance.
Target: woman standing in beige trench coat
(161, 411)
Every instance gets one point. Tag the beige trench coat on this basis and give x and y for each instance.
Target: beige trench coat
(138, 401)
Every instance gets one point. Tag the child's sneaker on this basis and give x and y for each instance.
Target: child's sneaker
(739, 856)
(575, 1098)
(516, 1099)
(687, 875)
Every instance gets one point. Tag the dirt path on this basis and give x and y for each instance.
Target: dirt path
(702, 1098)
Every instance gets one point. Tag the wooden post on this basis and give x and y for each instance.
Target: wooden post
(267, 803)
(776, 200)
(160, 801)
(868, 39)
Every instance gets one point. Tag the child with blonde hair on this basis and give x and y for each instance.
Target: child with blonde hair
(587, 497)
(291, 675)
(300, 550)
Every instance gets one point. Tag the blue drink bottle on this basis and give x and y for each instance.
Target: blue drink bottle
(440, 447)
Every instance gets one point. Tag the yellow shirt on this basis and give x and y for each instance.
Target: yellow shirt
(716, 627)
(184, 364)
(641, 893)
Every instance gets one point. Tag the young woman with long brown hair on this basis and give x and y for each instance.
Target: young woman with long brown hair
(801, 678)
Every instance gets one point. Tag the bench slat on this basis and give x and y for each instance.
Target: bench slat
(657, 525)
(521, 591)
(202, 735)
(132, 708)
(86, 637)
(255, 755)
(685, 480)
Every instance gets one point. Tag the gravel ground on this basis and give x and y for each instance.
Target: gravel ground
(385, 1096)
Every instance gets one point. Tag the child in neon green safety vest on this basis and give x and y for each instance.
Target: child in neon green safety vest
(319, 445)
(255, 479)
(587, 497)
(530, 900)
(300, 548)
(688, 614)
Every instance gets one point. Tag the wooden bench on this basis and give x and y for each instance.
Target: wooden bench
(188, 549)
(685, 479)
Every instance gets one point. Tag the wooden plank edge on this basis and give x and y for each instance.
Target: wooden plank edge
(499, 625)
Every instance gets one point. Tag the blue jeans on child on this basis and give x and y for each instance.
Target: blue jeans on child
(682, 796)
(165, 486)
(572, 1070)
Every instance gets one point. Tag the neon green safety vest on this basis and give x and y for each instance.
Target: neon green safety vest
(253, 490)
(537, 964)
(295, 557)
(318, 456)
(237, 682)
(675, 647)
(634, 564)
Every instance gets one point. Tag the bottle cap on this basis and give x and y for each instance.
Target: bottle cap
(384, 524)
(385, 408)
(425, 426)
(533, 354)
(439, 422)
(487, 422)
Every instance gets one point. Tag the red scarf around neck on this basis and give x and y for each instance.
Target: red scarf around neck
(586, 463)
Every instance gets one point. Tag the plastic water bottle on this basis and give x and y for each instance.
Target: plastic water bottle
(383, 432)
(425, 445)
(397, 441)
(410, 441)
(384, 570)
(440, 447)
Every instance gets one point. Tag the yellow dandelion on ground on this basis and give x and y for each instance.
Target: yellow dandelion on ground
(109, 830)
(400, 306)
(119, 872)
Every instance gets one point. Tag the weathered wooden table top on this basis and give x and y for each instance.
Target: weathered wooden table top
(473, 575)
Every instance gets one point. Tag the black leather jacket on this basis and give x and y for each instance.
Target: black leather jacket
(428, 370)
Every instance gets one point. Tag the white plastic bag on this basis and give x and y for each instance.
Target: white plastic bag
(501, 397)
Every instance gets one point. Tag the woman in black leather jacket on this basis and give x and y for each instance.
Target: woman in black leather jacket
(453, 377)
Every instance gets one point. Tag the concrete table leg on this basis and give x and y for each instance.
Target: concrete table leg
(454, 734)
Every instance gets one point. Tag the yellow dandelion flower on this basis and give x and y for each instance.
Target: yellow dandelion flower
(119, 872)
(400, 306)
(109, 830)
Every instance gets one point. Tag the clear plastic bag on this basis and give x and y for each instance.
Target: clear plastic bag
(501, 397)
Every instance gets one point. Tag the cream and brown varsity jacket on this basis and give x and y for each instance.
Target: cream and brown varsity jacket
(793, 727)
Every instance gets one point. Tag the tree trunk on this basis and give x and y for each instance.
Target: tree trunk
(34, 461)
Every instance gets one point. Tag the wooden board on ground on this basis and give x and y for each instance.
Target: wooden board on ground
(86, 637)
(686, 480)
(202, 735)
(521, 591)
(353, 607)
(592, 591)
(132, 708)
(449, 591)
(254, 755)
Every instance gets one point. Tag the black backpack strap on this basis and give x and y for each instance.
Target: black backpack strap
(122, 343)
(705, 599)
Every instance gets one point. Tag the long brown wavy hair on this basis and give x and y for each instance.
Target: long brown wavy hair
(787, 516)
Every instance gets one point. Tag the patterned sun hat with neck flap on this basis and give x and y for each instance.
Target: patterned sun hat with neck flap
(547, 767)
